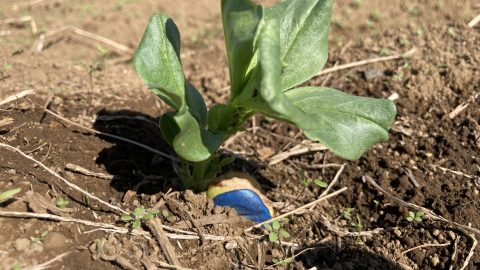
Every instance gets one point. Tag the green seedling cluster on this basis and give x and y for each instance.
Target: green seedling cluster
(275, 231)
(6, 195)
(270, 52)
(415, 216)
(139, 215)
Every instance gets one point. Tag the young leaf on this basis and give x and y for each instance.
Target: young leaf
(157, 60)
(304, 27)
(273, 237)
(320, 183)
(241, 20)
(126, 218)
(347, 125)
(283, 234)
(136, 224)
(268, 227)
(137, 212)
(9, 194)
(275, 225)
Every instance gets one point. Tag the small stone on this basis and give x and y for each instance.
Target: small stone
(138, 253)
(452, 235)
(55, 240)
(136, 203)
(22, 244)
(436, 232)
(397, 232)
(153, 199)
(11, 171)
(36, 247)
(276, 253)
(217, 210)
(434, 261)
(231, 244)
(441, 238)
(372, 73)
(189, 196)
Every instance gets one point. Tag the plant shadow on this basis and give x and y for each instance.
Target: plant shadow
(130, 164)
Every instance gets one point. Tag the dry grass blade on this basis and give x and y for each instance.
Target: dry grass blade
(474, 21)
(24, 19)
(65, 181)
(407, 54)
(471, 253)
(308, 205)
(81, 170)
(46, 264)
(427, 213)
(460, 108)
(305, 147)
(342, 233)
(426, 245)
(16, 96)
(156, 228)
(6, 121)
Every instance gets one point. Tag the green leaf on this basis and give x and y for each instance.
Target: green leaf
(283, 234)
(226, 161)
(136, 224)
(148, 216)
(137, 212)
(157, 60)
(320, 183)
(241, 20)
(273, 237)
(9, 194)
(275, 225)
(410, 218)
(348, 125)
(268, 227)
(304, 27)
(126, 218)
(222, 118)
(154, 211)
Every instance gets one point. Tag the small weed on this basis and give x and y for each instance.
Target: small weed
(138, 215)
(9, 194)
(358, 227)
(384, 51)
(415, 216)
(275, 231)
(39, 238)
(168, 216)
(16, 266)
(397, 78)
(347, 213)
(7, 66)
(377, 203)
(62, 203)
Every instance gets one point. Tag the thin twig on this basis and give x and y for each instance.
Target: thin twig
(16, 96)
(71, 185)
(156, 228)
(169, 266)
(474, 21)
(427, 213)
(47, 264)
(460, 108)
(471, 253)
(146, 147)
(297, 150)
(24, 19)
(335, 180)
(454, 254)
(426, 245)
(407, 54)
(308, 205)
(81, 170)
(342, 233)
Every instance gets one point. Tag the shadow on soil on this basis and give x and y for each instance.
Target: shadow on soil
(331, 258)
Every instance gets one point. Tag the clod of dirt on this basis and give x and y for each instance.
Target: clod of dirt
(22, 244)
(55, 240)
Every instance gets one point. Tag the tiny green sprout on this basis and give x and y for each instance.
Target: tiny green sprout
(138, 215)
(168, 216)
(39, 238)
(320, 183)
(16, 266)
(347, 213)
(9, 194)
(358, 227)
(7, 66)
(376, 202)
(62, 203)
(415, 216)
(384, 51)
(275, 231)
(397, 78)
(102, 51)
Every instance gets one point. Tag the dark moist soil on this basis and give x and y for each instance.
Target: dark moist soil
(430, 160)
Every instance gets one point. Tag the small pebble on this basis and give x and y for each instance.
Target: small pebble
(55, 240)
(435, 260)
(436, 232)
(22, 244)
(36, 247)
(397, 232)
(231, 244)
(452, 235)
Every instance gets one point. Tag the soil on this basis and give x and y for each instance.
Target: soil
(431, 159)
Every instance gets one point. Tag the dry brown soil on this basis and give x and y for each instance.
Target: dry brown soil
(431, 159)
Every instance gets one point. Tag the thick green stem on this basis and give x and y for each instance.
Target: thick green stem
(195, 179)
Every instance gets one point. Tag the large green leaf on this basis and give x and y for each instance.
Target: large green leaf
(304, 27)
(348, 125)
(241, 21)
(157, 60)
